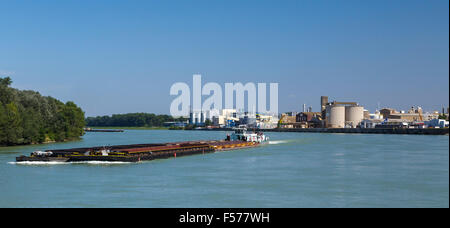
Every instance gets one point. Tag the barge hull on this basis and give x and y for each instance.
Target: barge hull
(138, 152)
(41, 159)
(107, 158)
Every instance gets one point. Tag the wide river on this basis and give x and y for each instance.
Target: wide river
(295, 170)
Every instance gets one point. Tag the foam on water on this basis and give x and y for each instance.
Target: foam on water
(64, 163)
(277, 142)
(37, 163)
(101, 162)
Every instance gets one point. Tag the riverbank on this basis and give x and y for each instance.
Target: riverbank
(409, 131)
(73, 139)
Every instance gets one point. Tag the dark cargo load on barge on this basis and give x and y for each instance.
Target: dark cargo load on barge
(142, 152)
(124, 153)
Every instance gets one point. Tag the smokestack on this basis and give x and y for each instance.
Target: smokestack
(323, 103)
(323, 107)
(304, 107)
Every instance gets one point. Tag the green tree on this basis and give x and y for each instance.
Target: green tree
(27, 117)
(73, 118)
(6, 94)
(12, 127)
(5, 81)
(3, 122)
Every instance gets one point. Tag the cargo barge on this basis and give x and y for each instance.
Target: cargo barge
(103, 130)
(240, 139)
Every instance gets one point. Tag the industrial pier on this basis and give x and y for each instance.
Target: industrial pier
(409, 131)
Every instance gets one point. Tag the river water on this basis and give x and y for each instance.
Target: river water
(294, 170)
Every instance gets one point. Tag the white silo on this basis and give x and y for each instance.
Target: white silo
(335, 116)
(354, 115)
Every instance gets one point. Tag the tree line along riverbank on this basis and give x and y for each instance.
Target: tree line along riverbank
(27, 117)
(132, 120)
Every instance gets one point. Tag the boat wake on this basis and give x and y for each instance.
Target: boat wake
(101, 162)
(67, 163)
(277, 142)
(37, 163)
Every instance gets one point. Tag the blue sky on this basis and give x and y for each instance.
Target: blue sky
(123, 56)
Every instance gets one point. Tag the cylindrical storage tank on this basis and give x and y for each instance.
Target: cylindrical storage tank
(354, 115)
(335, 116)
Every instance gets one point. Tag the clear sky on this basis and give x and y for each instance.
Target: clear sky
(123, 56)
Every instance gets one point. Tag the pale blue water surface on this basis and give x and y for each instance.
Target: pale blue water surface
(296, 170)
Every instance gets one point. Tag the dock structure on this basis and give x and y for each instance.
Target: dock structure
(408, 131)
(103, 130)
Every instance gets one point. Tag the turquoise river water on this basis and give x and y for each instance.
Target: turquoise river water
(295, 170)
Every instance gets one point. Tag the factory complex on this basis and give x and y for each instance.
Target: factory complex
(339, 114)
(332, 114)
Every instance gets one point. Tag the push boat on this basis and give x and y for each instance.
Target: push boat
(240, 139)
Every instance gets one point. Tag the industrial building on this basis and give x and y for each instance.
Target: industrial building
(199, 117)
(332, 115)
(336, 114)
(386, 112)
(225, 118)
(437, 123)
(343, 114)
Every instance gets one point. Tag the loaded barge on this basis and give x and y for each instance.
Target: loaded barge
(240, 139)
(103, 130)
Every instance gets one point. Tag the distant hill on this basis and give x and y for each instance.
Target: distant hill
(26, 117)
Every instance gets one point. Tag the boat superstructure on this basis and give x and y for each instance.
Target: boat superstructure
(241, 134)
